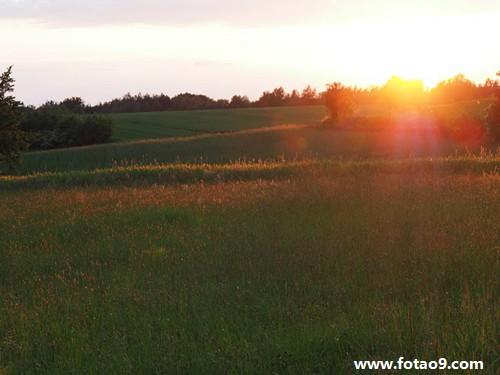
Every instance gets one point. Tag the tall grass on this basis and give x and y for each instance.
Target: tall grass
(312, 249)
(179, 173)
(295, 275)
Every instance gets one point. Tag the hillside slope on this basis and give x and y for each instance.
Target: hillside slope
(147, 125)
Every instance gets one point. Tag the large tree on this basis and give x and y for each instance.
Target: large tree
(12, 138)
(339, 100)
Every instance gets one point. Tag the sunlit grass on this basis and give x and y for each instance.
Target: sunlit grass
(180, 173)
(262, 268)
(295, 249)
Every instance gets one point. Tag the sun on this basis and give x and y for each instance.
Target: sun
(429, 49)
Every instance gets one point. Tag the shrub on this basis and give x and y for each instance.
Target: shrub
(494, 121)
(91, 130)
(53, 127)
(467, 129)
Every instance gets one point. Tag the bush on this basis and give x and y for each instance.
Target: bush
(53, 127)
(91, 130)
(494, 122)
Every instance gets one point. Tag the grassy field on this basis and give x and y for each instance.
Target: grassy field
(271, 268)
(136, 126)
(285, 142)
(280, 250)
(154, 125)
(179, 173)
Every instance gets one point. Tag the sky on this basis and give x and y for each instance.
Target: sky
(102, 49)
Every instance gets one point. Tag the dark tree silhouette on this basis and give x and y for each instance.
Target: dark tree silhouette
(12, 138)
(338, 100)
(137, 103)
(293, 99)
(55, 127)
(188, 101)
(275, 98)
(309, 96)
(239, 101)
(74, 105)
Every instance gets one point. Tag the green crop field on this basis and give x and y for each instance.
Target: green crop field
(135, 126)
(289, 142)
(152, 125)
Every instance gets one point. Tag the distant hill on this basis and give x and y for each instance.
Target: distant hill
(149, 125)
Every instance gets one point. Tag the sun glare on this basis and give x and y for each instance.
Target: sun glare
(432, 49)
(429, 49)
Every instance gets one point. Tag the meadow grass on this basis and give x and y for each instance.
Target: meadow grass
(147, 125)
(299, 273)
(181, 173)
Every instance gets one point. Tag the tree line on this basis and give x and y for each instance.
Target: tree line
(395, 92)
(188, 101)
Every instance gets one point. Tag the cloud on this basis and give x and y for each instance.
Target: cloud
(166, 12)
(238, 12)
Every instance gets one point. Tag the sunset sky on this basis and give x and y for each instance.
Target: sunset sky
(102, 49)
